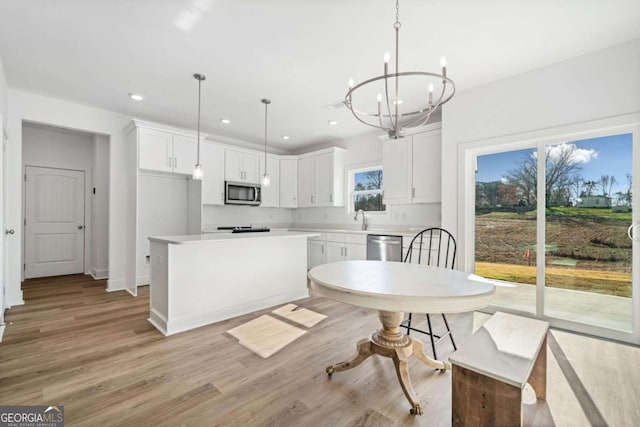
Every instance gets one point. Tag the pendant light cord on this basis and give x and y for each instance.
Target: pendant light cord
(266, 106)
(266, 103)
(199, 86)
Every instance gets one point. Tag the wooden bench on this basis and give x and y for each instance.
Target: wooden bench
(491, 369)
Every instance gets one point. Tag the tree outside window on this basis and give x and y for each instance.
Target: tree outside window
(367, 189)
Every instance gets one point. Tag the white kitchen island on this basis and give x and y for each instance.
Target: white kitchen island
(201, 279)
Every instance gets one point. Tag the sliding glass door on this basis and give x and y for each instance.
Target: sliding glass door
(588, 255)
(506, 228)
(551, 227)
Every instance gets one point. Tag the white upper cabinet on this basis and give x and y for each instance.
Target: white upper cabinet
(270, 194)
(242, 166)
(155, 150)
(412, 169)
(321, 178)
(288, 183)
(306, 176)
(397, 169)
(325, 192)
(185, 151)
(166, 152)
(212, 161)
(427, 169)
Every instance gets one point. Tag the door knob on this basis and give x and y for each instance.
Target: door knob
(8, 231)
(80, 227)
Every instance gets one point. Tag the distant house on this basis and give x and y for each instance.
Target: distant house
(594, 202)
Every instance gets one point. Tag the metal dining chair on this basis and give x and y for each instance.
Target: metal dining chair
(432, 246)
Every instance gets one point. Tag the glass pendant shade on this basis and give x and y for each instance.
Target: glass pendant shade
(197, 172)
(266, 180)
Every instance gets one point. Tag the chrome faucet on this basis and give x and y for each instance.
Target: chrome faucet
(364, 219)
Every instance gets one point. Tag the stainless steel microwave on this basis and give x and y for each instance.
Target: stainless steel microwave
(241, 193)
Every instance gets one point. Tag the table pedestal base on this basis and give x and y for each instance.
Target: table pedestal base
(390, 342)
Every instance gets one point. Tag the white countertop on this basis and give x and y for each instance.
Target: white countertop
(203, 238)
(391, 232)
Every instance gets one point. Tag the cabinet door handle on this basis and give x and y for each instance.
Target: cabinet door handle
(175, 162)
(170, 161)
(322, 247)
(331, 198)
(312, 199)
(345, 251)
(413, 192)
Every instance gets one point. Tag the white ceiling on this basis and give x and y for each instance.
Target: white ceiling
(298, 53)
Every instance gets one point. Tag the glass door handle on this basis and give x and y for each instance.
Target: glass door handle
(630, 231)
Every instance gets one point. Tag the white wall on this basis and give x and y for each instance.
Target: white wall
(4, 107)
(57, 148)
(225, 216)
(100, 208)
(594, 86)
(4, 96)
(40, 109)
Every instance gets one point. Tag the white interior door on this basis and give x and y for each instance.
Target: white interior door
(54, 227)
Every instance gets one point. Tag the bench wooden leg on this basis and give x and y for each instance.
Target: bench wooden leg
(538, 377)
(482, 401)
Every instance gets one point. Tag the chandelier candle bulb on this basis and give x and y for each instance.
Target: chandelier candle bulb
(387, 57)
(351, 83)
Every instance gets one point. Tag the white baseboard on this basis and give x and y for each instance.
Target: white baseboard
(170, 327)
(158, 321)
(99, 274)
(115, 285)
(16, 300)
(2, 331)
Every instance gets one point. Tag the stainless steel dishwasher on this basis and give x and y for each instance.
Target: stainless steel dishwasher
(384, 247)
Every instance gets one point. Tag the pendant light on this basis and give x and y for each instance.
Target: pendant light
(266, 179)
(385, 112)
(197, 171)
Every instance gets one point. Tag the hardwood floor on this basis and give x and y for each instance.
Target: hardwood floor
(94, 352)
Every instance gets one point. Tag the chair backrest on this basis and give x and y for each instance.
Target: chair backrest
(438, 245)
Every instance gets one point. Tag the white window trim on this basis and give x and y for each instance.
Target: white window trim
(351, 172)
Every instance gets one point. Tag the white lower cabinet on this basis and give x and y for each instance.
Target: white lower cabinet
(354, 251)
(334, 247)
(315, 253)
(335, 252)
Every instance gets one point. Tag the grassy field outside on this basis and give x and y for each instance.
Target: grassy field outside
(585, 249)
(602, 282)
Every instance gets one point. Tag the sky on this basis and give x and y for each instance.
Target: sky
(610, 155)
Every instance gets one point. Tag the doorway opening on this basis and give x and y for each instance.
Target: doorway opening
(65, 202)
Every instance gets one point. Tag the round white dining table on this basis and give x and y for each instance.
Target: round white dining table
(394, 288)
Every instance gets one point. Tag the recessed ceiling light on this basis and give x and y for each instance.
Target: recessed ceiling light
(136, 96)
(225, 121)
(332, 122)
(285, 137)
